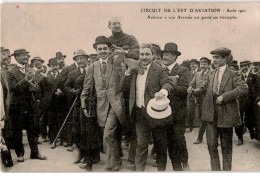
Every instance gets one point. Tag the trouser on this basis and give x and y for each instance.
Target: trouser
(250, 120)
(25, 121)
(213, 133)
(202, 130)
(43, 126)
(191, 113)
(143, 132)
(241, 128)
(110, 140)
(132, 146)
(177, 148)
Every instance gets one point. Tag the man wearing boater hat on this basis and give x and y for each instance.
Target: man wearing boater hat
(175, 134)
(152, 83)
(199, 79)
(22, 105)
(247, 109)
(106, 79)
(220, 109)
(73, 125)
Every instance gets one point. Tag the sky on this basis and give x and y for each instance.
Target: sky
(44, 29)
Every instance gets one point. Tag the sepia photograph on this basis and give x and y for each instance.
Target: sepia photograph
(130, 87)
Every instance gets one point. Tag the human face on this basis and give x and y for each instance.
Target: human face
(193, 66)
(244, 68)
(219, 61)
(204, 66)
(102, 51)
(145, 56)
(256, 68)
(54, 68)
(168, 58)
(81, 61)
(115, 25)
(22, 58)
(4, 58)
(60, 61)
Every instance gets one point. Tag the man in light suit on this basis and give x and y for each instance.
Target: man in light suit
(154, 83)
(177, 148)
(107, 81)
(220, 109)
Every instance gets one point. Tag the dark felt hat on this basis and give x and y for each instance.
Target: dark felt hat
(172, 48)
(101, 40)
(256, 63)
(37, 58)
(245, 62)
(19, 51)
(59, 54)
(80, 52)
(205, 59)
(221, 51)
(194, 60)
(234, 64)
(52, 61)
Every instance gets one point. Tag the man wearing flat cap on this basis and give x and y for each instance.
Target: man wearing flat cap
(73, 136)
(177, 149)
(107, 81)
(22, 105)
(220, 109)
(247, 110)
(192, 121)
(199, 79)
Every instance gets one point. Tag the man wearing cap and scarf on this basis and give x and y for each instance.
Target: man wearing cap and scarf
(22, 105)
(191, 120)
(152, 83)
(73, 125)
(247, 109)
(220, 109)
(107, 81)
(175, 133)
(199, 79)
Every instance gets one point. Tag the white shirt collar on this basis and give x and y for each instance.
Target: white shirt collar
(20, 65)
(103, 60)
(223, 68)
(170, 67)
(148, 66)
(82, 69)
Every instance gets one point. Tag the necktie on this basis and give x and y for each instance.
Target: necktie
(104, 68)
(54, 75)
(84, 71)
(215, 84)
(245, 76)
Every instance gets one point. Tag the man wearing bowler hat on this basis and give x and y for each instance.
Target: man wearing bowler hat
(22, 105)
(247, 110)
(73, 125)
(220, 109)
(152, 83)
(177, 149)
(199, 79)
(107, 81)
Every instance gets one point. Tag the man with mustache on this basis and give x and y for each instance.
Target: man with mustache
(177, 148)
(73, 125)
(107, 80)
(220, 109)
(22, 105)
(247, 108)
(153, 83)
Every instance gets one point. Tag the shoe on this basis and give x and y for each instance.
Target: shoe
(39, 142)
(20, 159)
(131, 166)
(96, 160)
(185, 167)
(116, 168)
(65, 144)
(70, 149)
(197, 142)
(53, 146)
(44, 140)
(189, 130)
(88, 167)
(240, 142)
(39, 157)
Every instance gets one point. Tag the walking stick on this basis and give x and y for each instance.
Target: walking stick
(65, 119)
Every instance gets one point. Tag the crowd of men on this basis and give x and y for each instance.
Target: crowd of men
(131, 94)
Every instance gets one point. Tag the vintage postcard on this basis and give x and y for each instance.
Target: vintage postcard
(134, 86)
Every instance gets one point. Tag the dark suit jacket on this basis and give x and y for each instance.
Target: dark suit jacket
(231, 88)
(21, 97)
(157, 79)
(5, 87)
(178, 95)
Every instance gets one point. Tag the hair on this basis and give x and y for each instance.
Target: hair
(147, 45)
(109, 21)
